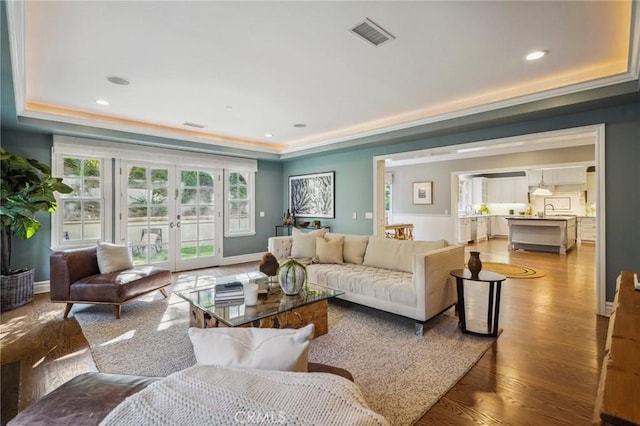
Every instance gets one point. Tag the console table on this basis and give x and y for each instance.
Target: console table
(618, 397)
(288, 228)
(495, 283)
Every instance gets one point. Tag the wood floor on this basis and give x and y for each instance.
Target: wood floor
(543, 369)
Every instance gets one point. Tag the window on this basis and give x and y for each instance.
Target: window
(80, 216)
(239, 212)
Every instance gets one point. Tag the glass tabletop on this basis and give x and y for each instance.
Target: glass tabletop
(271, 300)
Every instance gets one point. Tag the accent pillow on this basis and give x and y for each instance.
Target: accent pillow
(329, 251)
(113, 257)
(354, 246)
(260, 348)
(303, 244)
(389, 253)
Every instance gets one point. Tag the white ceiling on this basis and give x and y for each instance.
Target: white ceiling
(277, 64)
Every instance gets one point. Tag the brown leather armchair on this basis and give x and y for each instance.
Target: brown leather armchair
(76, 278)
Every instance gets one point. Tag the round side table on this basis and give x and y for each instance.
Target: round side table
(495, 283)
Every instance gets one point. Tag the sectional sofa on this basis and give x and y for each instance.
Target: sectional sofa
(408, 278)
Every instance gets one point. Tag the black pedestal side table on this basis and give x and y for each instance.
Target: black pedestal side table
(495, 283)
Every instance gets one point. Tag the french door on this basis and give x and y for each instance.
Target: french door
(170, 215)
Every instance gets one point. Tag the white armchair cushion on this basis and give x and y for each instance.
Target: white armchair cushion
(260, 348)
(304, 244)
(329, 251)
(113, 258)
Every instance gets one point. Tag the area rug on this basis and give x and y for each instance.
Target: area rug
(512, 271)
(400, 375)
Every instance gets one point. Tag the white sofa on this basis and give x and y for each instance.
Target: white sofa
(408, 278)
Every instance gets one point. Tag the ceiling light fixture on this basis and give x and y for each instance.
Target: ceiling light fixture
(268, 135)
(535, 55)
(228, 107)
(542, 188)
(102, 102)
(299, 125)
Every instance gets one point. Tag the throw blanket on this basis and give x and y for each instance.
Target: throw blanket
(213, 395)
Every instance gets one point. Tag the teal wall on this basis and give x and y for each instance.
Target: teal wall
(353, 188)
(354, 176)
(35, 251)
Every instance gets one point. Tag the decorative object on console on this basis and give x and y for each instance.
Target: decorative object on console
(423, 192)
(474, 264)
(292, 276)
(316, 224)
(269, 265)
(312, 195)
(303, 224)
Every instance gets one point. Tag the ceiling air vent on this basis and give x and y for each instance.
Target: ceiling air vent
(372, 32)
(199, 126)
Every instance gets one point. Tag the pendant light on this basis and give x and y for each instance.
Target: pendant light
(542, 188)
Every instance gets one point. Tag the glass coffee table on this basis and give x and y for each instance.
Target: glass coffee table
(274, 309)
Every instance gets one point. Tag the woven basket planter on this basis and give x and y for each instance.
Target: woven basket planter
(16, 290)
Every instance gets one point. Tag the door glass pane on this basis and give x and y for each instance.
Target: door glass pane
(197, 214)
(148, 220)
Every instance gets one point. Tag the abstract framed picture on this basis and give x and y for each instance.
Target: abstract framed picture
(312, 195)
(423, 192)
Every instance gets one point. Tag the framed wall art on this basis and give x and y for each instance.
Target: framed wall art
(423, 192)
(312, 195)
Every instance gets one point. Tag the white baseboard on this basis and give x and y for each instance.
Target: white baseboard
(41, 287)
(608, 308)
(243, 258)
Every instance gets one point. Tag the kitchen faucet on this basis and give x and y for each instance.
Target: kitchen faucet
(545, 209)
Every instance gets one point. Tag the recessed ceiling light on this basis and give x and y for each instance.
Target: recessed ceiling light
(118, 80)
(102, 102)
(299, 125)
(537, 54)
(228, 107)
(268, 135)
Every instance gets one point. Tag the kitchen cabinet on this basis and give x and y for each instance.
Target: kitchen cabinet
(569, 176)
(507, 190)
(563, 176)
(500, 226)
(586, 228)
(481, 229)
(464, 230)
(479, 190)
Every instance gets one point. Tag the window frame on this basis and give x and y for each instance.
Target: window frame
(58, 241)
(228, 233)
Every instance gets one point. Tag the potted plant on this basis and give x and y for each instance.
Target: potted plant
(292, 276)
(27, 187)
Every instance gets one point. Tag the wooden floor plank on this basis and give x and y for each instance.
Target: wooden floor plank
(543, 369)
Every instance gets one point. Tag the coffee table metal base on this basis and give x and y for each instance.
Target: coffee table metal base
(313, 313)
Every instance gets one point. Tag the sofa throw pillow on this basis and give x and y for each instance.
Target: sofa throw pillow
(353, 248)
(303, 244)
(398, 255)
(329, 251)
(260, 348)
(113, 258)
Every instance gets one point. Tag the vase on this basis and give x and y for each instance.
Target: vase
(474, 264)
(292, 279)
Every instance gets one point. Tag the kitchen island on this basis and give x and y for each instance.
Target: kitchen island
(555, 234)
